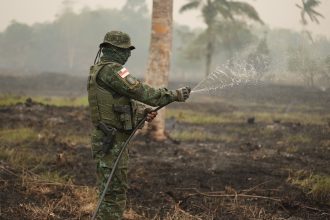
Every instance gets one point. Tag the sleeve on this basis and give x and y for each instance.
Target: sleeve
(121, 81)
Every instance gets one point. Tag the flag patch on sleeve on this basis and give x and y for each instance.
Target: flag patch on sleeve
(123, 72)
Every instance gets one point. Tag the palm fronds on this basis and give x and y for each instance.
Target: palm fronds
(192, 4)
(308, 7)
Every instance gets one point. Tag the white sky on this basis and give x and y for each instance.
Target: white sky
(275, 13)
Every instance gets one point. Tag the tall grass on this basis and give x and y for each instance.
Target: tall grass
(6, 100)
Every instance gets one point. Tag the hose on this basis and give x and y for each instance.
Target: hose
(118, 159)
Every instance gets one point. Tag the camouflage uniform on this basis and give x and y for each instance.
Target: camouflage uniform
(111, 94)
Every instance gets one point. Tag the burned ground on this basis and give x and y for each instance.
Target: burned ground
(255, 156)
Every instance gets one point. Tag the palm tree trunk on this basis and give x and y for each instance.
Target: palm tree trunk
(159, 58)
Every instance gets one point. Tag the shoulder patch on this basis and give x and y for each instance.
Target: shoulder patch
(123, 72)
(131, 80)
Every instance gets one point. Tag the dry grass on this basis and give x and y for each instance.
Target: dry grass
(17, 135)
(6, 100)
(19, 148)
(23, 157)
(201, 118)
(226, 204)
(314, 185)
(74, 139)
(325, 144)
(229, 206)
(189, 135)
(56, 198)
(180, 214)
(291, 149)
(298, 139)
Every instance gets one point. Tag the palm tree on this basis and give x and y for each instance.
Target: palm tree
(308, 7)
(212, 11)
(301, 62)
(159, 58)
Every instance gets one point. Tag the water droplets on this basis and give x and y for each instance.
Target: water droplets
(228, 75)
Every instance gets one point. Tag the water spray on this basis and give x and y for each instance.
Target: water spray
(228, 75)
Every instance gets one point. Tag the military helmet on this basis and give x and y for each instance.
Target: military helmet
(118, 39)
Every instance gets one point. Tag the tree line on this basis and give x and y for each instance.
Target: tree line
(69, 43)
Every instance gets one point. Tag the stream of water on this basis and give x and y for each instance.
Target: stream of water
(228, 75)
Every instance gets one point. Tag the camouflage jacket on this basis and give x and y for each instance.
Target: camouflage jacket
(111, 94)
(117, 78)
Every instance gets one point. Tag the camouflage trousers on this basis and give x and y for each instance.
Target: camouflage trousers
(114, 203)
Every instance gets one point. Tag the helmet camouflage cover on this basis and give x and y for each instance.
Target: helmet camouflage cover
(118, 39)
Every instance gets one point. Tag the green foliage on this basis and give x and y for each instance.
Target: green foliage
(193, 117)
(308, 7)
(260, 60)
(73, 139)
(138, 6)
(234, 35)
(63, 101)
(229, 37)
(220, 13)
(192, 135)
(18, 135)
(302, 63)
(225, 9)
(326, 71)
(201, 118)
(314, 185)
(298, 139)
(241, 9)
(23, 157)
(291, 149)
(70, 43)
(294, 117)
(7, 100)
(53, 176)
(190, 5)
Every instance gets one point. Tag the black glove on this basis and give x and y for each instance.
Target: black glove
(183, 93)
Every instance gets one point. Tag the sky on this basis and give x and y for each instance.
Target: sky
(275, 13)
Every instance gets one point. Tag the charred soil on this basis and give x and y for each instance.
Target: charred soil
(229, 160)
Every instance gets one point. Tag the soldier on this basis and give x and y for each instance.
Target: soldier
(113, 94)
